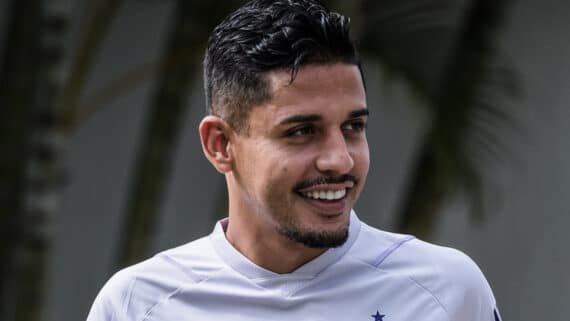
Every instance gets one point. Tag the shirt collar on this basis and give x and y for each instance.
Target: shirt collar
(244, 266)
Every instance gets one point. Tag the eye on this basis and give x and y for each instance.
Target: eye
(299, 131)
(357, 125)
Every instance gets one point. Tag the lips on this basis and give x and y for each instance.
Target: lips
(328, 195)
(327, 199)
(326, 183)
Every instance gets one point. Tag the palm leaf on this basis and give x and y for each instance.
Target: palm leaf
(31, 162)
(457, 115)
(168, 107)
(445, 51)
(90, 41)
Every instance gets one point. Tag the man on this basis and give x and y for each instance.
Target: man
(286, 127)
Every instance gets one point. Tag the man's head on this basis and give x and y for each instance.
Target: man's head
(287, 121)
(269, 35)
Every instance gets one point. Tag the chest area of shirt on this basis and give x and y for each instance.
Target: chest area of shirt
(345, 295)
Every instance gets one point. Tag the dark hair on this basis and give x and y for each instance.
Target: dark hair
(269, 35)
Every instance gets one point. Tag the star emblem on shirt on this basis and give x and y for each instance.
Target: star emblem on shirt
(378, 316)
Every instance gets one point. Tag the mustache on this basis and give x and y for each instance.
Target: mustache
(326, 180)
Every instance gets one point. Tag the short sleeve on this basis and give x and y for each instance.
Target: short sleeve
(465, 290)
(111, 303)
(100, 311)
(452, 277)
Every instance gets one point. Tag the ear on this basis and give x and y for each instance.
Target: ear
(214, 136)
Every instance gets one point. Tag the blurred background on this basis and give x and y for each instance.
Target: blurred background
(100, 163)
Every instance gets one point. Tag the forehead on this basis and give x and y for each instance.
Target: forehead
(335, 89)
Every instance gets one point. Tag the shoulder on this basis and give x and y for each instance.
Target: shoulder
(132, 292)
(449, 275)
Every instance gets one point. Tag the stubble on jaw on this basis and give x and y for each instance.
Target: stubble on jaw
(289, 226)
(314, 239)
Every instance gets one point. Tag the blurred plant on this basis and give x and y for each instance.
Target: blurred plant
(37, 105)
(465, 109)
(180, 62)
(448, 55)
(31, 143)
(94, 33)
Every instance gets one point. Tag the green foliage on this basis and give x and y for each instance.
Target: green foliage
(461, 88)
(30, 163)
(181, 60)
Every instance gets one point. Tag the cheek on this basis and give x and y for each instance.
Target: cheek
(365, 159)
(361, 157)
(283, 173)
(279, 169)
(361, 166)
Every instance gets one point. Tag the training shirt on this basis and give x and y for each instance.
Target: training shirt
(374, 276)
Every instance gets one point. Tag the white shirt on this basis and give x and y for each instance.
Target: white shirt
(374, 276)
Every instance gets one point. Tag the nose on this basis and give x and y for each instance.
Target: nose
(334, 155)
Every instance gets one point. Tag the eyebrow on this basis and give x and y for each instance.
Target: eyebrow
(359, 113)
(314, 117)
(300, 119)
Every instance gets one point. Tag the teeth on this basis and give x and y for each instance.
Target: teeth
(339, 194)
(326, 195)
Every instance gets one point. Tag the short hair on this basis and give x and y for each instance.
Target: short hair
(264, 36)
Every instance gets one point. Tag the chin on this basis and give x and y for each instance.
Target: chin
(316, 238)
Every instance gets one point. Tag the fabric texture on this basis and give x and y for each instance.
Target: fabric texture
(375, 275)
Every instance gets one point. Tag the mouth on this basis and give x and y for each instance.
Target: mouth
(327, 195)
(329, 200)
(324, 194)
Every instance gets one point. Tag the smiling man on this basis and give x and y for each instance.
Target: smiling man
(297, 167)
(287, 128)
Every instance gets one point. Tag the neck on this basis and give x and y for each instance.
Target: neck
(256, 236)
(275, 253)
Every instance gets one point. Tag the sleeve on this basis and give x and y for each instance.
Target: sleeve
(465, 291)
(111, 303)
(452, 277)
(101, 311)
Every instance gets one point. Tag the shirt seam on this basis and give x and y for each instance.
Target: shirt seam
(423, 287)
(187, 272)
(128, 296)
(151, 309)
(393, 248)
(147, 315)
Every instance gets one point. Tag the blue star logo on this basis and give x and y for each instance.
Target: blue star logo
(378, 316)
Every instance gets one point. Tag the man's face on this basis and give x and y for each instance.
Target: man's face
(302, 164)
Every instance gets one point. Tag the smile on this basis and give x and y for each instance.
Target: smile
(329, 195)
